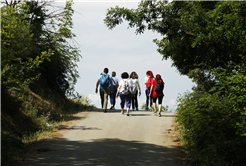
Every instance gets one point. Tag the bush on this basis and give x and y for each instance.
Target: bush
(209, 127)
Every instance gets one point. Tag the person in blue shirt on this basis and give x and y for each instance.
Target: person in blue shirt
(104, 80)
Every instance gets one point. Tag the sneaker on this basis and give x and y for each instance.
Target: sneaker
(136, 109)
(105, 111)
(133, 109)
(127, 114)
(155, 113)
(122, 112)
(159, 114)
(150, 109)
(146, 108)
(111, 107)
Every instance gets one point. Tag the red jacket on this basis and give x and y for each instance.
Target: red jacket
(154, 93)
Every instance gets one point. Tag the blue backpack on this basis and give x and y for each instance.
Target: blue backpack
(104, 81)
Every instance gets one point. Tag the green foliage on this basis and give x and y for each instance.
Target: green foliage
(27, 118)
(196, 34)
(214, 124)
(35, 56)
(206, 41)
(17, 61)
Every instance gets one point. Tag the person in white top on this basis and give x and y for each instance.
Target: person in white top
(125, 92)
(135, 87)
(113, 94)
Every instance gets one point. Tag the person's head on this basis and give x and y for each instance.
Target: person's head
(124, 75)
(150, 74)
(134, 75)
(105, 70)
(113, 74)
(158, 77)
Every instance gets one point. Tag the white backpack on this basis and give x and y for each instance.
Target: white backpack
(126, 88)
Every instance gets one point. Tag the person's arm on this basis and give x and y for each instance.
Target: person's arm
(117, 84)
(145, 81)
(97, 86)
(111, 87)
(118, 91)
(139, 88)
(151, 89)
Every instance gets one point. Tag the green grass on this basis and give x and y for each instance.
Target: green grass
(25, 116)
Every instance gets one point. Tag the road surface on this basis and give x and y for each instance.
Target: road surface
(110, 139)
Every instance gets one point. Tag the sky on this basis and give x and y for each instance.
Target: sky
(120, 50)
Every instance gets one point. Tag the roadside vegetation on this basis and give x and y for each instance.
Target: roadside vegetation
(38, 74)
(206, 42)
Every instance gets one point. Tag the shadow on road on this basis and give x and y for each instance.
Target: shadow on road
(62, 152)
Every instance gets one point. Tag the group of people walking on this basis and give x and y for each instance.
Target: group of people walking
(128, 89)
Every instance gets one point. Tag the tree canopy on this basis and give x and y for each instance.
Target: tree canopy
(35, 43)
(196, 34)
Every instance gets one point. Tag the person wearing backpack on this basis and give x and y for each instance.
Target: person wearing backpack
(156, 90)
(104, 80)
(115, 86)
(148, 81)
(135, 87)
(125, 92)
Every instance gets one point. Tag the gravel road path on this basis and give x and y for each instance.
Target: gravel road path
(96, 138)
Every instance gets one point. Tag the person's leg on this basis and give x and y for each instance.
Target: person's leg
(150, 103)
(147, 99)
(154, 104)
(136, 100)
(111, 100)
(133, 98)
(122, 102)
(114, 95)
(102, 97)
(106, 92)
(128, 103)
(160, 104)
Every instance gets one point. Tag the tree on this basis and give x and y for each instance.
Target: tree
(196, 35)
(17, 46)
(48, 31)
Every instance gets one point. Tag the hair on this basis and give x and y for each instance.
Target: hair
(124, 75)
(113, 74)
(150, 73)
(159, 79)
(134, 75)
(105, 70)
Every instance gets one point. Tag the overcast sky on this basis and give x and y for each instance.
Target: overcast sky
(120, 50)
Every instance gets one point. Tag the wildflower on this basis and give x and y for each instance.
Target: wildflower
(29, 93)
(48, 112)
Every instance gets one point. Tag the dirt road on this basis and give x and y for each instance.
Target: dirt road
(110, 139)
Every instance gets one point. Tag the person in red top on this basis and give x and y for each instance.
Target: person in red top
(157, 87)
(148, 81)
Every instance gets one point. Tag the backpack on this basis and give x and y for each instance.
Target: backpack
(134, 86)
(158, 87)
(126, 89)
(104, 81)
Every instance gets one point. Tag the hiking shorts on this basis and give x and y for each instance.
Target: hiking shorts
(159, 99)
